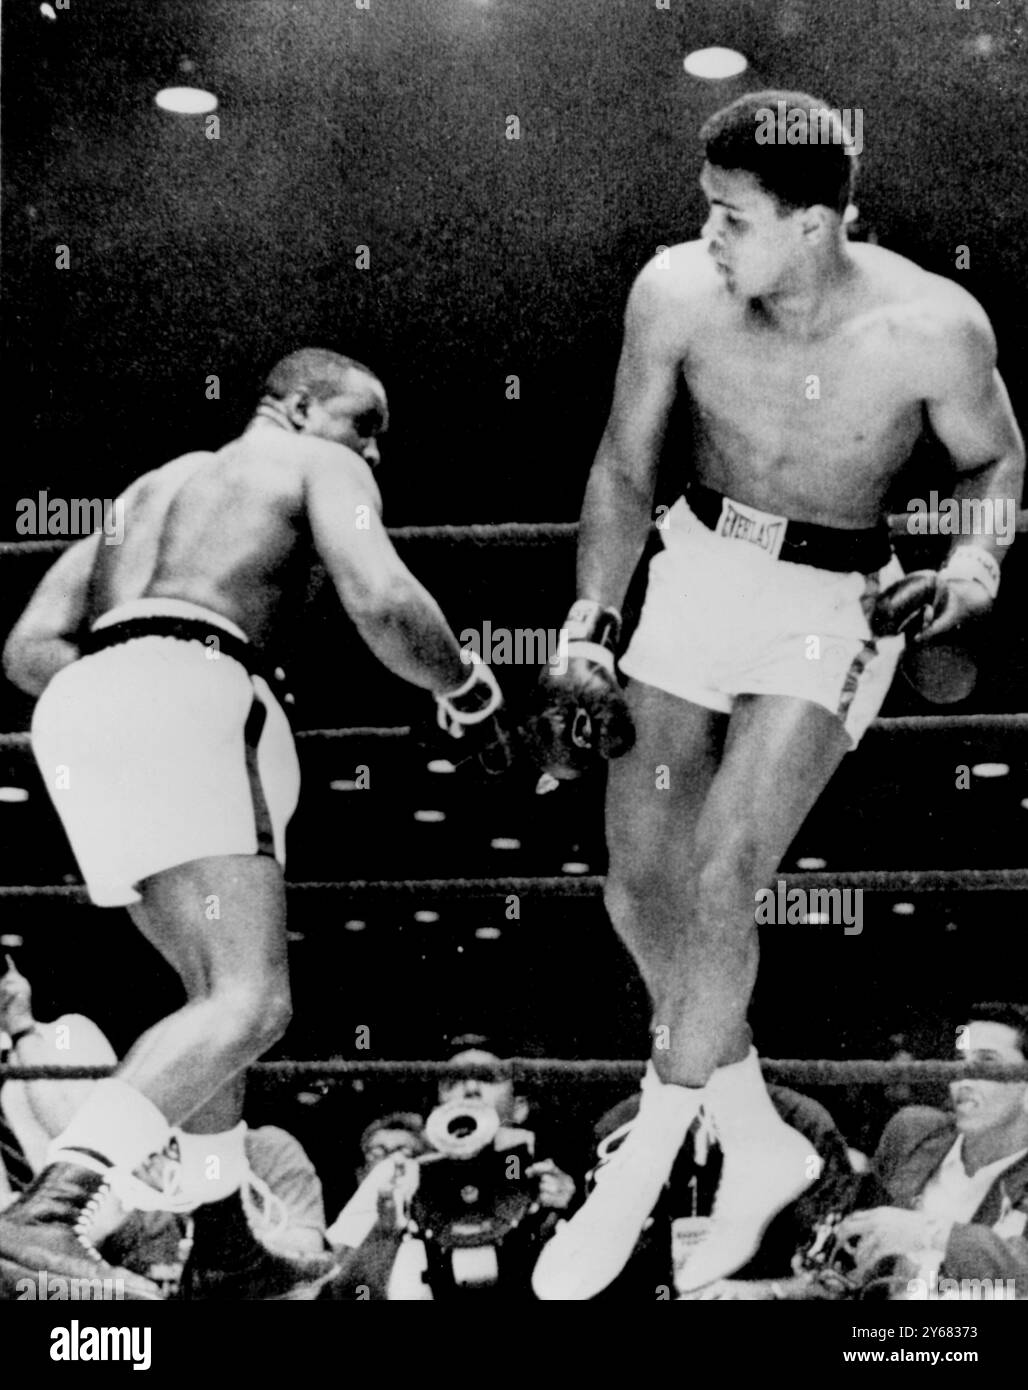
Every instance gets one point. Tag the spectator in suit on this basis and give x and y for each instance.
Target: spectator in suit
(957, 1180)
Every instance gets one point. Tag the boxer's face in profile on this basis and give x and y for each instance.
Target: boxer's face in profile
(357, 417)
(755, 243)
(984, 1105)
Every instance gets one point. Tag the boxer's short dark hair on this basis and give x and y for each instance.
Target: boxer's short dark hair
(320, 371)
(797, 176)
(1013, 1016)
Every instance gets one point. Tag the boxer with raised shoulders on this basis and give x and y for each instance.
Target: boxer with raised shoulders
(152, 662)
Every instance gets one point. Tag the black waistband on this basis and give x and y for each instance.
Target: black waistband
(823, 547)
(213, 637)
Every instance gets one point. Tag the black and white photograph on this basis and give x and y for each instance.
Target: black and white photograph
(514, 702)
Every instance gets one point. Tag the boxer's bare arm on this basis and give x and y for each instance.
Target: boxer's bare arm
(392, 610)
(42, 641)
(616, 513)
(970, 412)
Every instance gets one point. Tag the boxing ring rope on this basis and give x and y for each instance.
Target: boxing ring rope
(800, 1071)
(532, 533)
(968, 724)
(591, 885)
(796, 1071)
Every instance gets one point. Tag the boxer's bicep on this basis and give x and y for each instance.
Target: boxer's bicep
(58, 607)
(45, 638)
(344, 514)
(968, 408)
(645, 386)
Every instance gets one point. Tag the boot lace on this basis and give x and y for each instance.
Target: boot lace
(86, 1217)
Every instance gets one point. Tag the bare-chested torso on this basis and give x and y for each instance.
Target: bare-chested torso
(813, 429)
(225, 530)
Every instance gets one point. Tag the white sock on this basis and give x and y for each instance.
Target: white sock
(650, 1080)
(738, 1099)
(669, 1106)
(116, 1122)
(665, 1113)
(589, 1250)
(213, 1165)
(767, 1165)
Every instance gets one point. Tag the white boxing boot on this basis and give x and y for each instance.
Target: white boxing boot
(767, 1165)
(589, 1251)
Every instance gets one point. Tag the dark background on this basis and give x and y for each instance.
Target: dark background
(489, 257)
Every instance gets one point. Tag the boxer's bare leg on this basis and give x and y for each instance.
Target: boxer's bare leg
(655, 797)
(221, 924)
(222, 921)
(222, 1111)
(694, 830)
(686, 862)
(225, 1108)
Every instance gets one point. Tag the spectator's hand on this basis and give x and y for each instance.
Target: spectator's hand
(379, 1200)
(883, 1231)
(15, 1000)
(556, 1188)
(406, 1177)
(399, 1178)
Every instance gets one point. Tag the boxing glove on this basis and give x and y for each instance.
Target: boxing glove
(906, 606)
(942, 672)
(931, 602)
(578, 715)
(473, 715)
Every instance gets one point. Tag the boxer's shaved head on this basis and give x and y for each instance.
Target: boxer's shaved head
(323, 393)
(819, 171)
(320, 371)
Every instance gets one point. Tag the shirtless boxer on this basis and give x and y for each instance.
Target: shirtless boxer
(810, 365)
(172, 765)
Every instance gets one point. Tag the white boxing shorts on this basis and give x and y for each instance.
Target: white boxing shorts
(159, 751)
(724, 616)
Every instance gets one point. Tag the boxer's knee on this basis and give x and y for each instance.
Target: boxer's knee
(275, 1012)
(254, 1015)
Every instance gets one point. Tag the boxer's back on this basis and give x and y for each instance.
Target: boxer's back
(225, 530)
